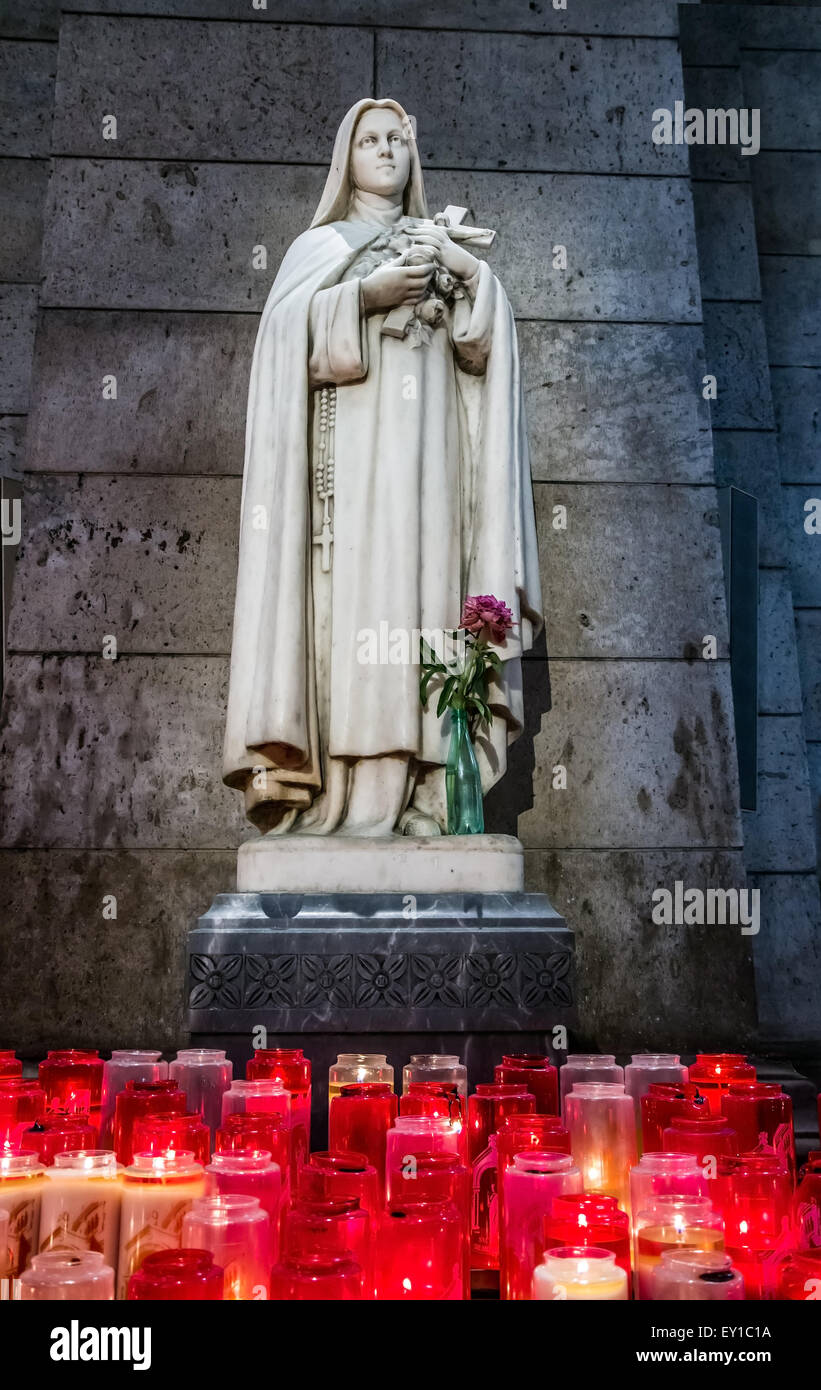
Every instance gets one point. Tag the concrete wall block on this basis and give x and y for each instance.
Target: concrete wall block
(791, 290)
(152, 561)
(748, 459)
(797, 25)
(12, 444)
(779, 686)
(787, 956)
(116, 754)
(27, 73)
(72, 975)
(716, 88)
(18, 319)
(23, 185)
(640, 984)
(784, 87)
(808, 637)
(787, 200)
(725, 234)
(637, 572)
(797, 405)
(649, 750)
(29, 19)
(737, 355)
(779, 835)
(571, 104)
(182, 387)
(180, 236)
(616, 402)
(229, 91)
(653, 17)
(802, 509)
(709, 35)
(814, 764)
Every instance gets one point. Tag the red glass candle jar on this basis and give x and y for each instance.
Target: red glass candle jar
(420, 1253)
(22, 1104)
(761, 1115)
(359, 1119)
(73, 1082)
(141, 1098)
(159, 1134)
(10, 1064)
(441, 1100)
(530, 1184)
(753, 1192)
(488, 1107)
(518, 1134)
(57, 1134)
(320, 1278)
(659, 1104)
(799, 1277)
(589, 1219)
(807, 1206)
(714, 1072)
(534, 1074)
(332, 1174)
(293, 1069)
(252, 1131)
(337, 1228)
(705, 1136)
(177, 1275)
(249, 1174)
(484, 1213)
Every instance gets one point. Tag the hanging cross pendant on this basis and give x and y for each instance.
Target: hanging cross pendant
(325, 540)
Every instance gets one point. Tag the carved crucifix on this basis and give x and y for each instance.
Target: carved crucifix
(396, 322)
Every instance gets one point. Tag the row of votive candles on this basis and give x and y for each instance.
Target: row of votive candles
(536, 1174)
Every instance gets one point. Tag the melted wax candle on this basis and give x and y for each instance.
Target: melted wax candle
(80, 1205)
(158, 1190)
(579, 1274)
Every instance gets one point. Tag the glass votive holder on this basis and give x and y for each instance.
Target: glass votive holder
(177, 1275)
(333, 1174)
(412, 1135)
(442, 1101)
(658, 1106)
(322, 1278)
(533, 1073)
(658, 1173)
(80, 1204)
(489, 1107)
(588, 1066)
(582, 1219)
(760, 1112)
(22, 1104)
(158, 1190)
(5, 1261)
(704, 1135)
(645, 1068)
(124, 1065)
(159, 1134)
(237, 1232)
(352, 1067)
(517, 1134)
(799, 1277)
(672, 1222)
(754, 1195)
(714, 1072)
(359, 1119)
(249, 1175)
(10, 1063)
(253, 1132)
(80, 1276)
(203, 1073)
(807, 1206)
(436, 1066)
(290, 1066)
(530, 1184)
(601, 1121)
(136, 1100)
(265, 1096)
(696, 1276)
(484, 1221)
(579, 1273)
(73, 1082)
(56, 1134)
(21, 1186)
(420, 1253)
(337, 1227)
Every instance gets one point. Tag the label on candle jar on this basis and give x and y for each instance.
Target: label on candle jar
(23, 1221)
(91, 1225)
(808, 1225)
(162, 1230)
(71, 1103)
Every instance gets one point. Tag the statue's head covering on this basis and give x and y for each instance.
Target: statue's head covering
(336, 196)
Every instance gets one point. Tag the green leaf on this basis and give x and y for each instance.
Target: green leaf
(447, 691)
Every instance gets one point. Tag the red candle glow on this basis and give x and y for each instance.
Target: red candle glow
(589, 1219)
(761, 1115)
(57, 1134)
(293, 1069)
(73, 1082)
(337, 1228)
(714, 1072)
(10, 1064)
(22, 1104)
(139, 1099)
(177, 1275)
(799, 1277)
(489, 1107)
(441, 1100)
(754, 1194)
(420, 1253)
(337, 1174)
(661, 1101)
(359, 1119)
(807, 1206)
(534, 1074)
(321, 1278)
(160, 1134)
(705, 1136)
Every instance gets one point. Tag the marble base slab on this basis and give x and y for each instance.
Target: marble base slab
(393, 864)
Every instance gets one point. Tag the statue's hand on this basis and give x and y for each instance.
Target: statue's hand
(453, 257)
(394, 284)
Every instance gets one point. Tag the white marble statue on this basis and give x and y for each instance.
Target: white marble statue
(386, 477)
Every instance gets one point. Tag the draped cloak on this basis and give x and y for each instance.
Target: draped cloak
(272, 718)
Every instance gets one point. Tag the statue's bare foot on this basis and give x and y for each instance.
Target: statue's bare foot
(413, 822)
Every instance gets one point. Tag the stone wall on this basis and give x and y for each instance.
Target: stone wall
(539, 121)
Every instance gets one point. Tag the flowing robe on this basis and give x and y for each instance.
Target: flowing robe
(432, 500)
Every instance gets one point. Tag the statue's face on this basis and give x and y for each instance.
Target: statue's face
(380, 158)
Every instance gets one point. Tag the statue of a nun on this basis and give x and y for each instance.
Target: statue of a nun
(386, 478)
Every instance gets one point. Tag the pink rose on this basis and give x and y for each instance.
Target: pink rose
(486, 616)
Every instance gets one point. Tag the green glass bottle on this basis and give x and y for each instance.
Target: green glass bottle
(464, 787)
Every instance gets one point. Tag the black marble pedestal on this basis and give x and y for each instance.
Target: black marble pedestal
(475, 974)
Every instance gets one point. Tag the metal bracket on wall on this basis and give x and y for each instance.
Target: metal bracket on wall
(738, 518)
(11, 492)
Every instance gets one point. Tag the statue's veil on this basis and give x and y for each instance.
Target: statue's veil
(336, 196)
